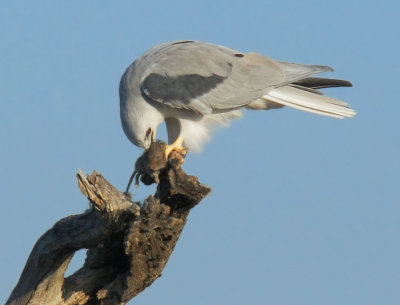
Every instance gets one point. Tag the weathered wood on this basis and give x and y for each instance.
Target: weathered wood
(128, 244)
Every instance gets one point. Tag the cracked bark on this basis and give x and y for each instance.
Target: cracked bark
(128, 243)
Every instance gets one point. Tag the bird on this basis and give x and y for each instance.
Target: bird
(196, 86)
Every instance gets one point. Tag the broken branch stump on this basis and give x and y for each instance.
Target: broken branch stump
(128, 243)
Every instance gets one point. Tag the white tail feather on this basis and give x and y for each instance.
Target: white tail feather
(308, 101)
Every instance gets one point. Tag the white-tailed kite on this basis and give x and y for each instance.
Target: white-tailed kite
(194, 86)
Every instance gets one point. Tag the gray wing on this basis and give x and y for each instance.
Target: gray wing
(205, 77)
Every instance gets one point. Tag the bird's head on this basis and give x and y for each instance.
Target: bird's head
(139, 133)
(139, 119)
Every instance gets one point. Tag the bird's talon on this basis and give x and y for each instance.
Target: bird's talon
(176, 146)
(169, 150)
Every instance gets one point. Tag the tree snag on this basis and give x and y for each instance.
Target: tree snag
(128, 243)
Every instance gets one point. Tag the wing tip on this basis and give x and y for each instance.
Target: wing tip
(325, 68)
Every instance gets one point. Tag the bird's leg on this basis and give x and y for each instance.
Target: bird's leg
(177, 146)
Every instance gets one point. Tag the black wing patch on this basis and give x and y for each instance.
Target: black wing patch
(180, 90)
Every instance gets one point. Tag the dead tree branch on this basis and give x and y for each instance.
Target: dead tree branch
(128, 244)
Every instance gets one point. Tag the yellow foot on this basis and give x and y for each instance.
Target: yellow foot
(176, 146)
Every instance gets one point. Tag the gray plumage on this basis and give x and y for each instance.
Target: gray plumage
(195, 86)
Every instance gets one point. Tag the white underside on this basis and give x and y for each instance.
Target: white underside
(196, 133)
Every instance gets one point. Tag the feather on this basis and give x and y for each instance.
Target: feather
(308, 101)
(319, 83)
(295, 72)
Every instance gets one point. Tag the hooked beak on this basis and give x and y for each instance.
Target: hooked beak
(149, 138)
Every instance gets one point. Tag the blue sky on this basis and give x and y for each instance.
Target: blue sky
(304, 209)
